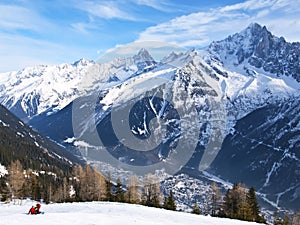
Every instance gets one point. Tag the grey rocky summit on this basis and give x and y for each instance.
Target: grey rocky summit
(261, 49)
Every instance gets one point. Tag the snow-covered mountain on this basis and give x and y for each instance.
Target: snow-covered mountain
(239, 96)
(36, 90)
(257, 47)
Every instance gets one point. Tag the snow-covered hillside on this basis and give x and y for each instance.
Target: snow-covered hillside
(96, 213)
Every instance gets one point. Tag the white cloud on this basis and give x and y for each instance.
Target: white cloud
(248, 5)
(85, 27)
(197, 28)
(157, 49)
(155, 4)
(104, 9)
(203, 27)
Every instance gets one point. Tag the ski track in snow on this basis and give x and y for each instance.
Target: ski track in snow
(96, 213)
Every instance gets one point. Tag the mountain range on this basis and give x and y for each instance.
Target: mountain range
(238, 96)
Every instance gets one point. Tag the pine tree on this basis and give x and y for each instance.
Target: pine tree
(23, 191)
(196, 209)
(235, 205)
(65, 189)
(4, 191)
(165, 205)
(253, 206)
(286, 220)
(155, 201)
(230, 204)
(169, 202)
(119, 191)
(109, 194)
(35, 188)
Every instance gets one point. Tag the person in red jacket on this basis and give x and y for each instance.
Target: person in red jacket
(37, 208)
(32, 211)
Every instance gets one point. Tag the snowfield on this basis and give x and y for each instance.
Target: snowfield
(94, 213)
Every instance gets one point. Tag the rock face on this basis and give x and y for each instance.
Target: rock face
(258, 47)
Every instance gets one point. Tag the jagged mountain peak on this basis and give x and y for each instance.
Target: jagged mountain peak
(258, 48)
(143, 51)
(256, 28)
(143, 56)
(255, 34)
(82, 62)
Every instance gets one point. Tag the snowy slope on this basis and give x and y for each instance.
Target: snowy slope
(104, 213)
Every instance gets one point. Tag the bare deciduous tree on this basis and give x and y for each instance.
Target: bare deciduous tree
(133, 193)
(16, 179)
(153, 195)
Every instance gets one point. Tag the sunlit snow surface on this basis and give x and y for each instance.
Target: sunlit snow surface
(3, 170)
(94, 213)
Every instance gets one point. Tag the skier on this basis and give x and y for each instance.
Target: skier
(37, 208)
(32, 211)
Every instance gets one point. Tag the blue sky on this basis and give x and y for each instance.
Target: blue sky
(52, 31)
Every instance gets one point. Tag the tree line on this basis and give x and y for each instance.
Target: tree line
(85, 183)
(82, 183)
(240, 203)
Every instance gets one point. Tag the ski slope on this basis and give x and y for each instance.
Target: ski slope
(94, 213)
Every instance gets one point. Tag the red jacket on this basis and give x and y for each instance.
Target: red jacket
(38, 206)
(32, 210)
